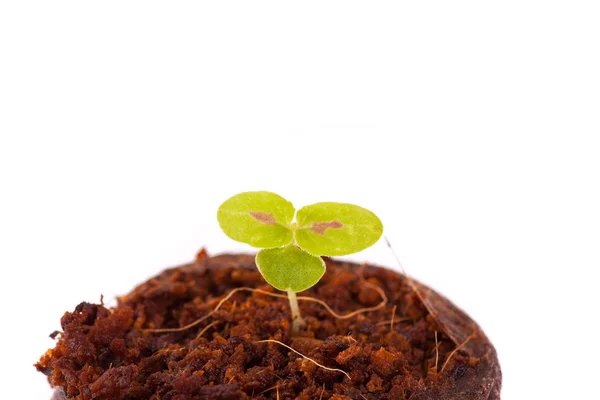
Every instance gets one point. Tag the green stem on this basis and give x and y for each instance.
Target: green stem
(296, 318)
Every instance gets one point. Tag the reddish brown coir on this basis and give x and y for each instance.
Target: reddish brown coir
(109, 354)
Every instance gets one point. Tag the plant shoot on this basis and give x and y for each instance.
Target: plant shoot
(290, 256)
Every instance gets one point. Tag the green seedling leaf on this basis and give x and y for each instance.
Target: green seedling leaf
(260, 219)
(290, 268)
(336, 229)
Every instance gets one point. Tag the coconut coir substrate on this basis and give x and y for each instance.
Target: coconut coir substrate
(416, 346)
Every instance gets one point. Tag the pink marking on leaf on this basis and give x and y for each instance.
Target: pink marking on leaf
(320, 227)
(265, 218)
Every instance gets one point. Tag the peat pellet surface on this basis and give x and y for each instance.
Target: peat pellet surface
(416, 345)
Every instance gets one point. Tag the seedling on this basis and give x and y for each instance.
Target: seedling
(290, 256)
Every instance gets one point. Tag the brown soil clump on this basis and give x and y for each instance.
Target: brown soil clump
(417, 346)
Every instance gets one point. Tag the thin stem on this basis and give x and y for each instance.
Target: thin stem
(296, 318)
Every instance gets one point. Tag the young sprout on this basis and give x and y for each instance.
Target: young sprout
(290, 256)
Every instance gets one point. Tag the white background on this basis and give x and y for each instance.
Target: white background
(470, 128)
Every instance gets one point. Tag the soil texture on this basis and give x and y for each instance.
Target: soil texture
(415, 344)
